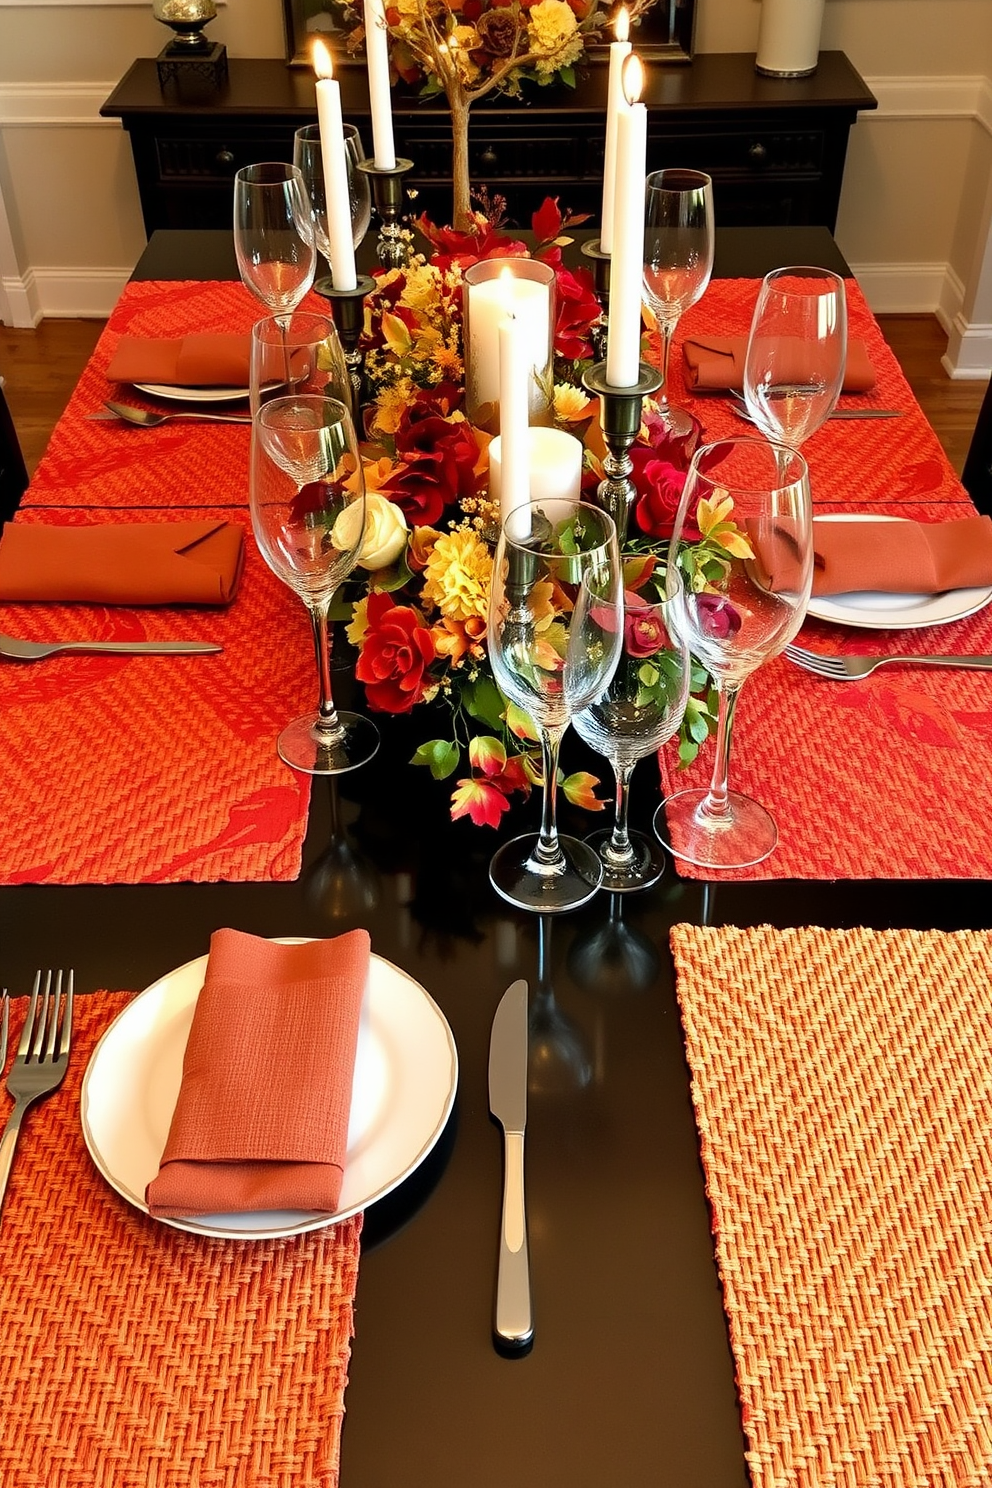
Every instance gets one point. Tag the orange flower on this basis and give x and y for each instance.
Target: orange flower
(453, 638)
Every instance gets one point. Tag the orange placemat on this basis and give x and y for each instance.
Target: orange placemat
(843, 1090)
(132, 1354)
(148, 769)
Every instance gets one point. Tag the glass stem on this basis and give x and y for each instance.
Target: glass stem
(716, 801)
(548, 851)
(620, 850)
(328, 728)
(666, 330)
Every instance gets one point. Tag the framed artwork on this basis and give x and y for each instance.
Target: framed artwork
(664, 34)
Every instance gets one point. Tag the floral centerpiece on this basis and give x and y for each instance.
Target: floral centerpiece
(419, 618)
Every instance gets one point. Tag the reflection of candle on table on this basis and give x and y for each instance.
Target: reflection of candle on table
(332, 156)
(623, 347)
(554, 469)
(377, 61)
(514, 381)
(490, 302)
(616, 101)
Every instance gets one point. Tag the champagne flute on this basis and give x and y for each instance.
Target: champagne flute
(678, 262)
(274, 235)
(637, 712)
(553, 645)
(300, 354)
(742, 597)
(308, 514)
(307, 155)
(796, 351)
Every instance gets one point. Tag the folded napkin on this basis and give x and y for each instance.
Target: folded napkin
(133, 563)
(886, 557)
(219, 360)
(262, 1116)
(716, 364)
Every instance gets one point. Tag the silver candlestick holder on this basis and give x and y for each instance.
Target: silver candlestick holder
(601, 277)
(392, 249)
(620, 415)
(348, 314)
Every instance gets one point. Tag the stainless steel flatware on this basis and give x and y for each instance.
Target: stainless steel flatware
(513, 1326)
(740, 408)
(4, 1030)
(16, 650)
(42, 1058)
(853, 668)
(142, 418)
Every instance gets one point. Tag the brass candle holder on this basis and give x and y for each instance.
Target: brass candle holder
(620, 415)
(392, 249)
(348, 314)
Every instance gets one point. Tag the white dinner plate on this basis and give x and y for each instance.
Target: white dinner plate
(175, 394)
(873, 611)
(406, 1072)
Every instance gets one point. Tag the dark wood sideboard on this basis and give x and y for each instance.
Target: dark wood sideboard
(775, 147)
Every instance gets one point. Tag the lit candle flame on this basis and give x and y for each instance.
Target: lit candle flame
(633, 78)
(323, 64)
(621, 29)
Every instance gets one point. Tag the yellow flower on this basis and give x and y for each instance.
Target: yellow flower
(449, 364)
(358, 625)
(391, 405)
(458, 575)
(553, 33)
(423, 288)
(570, 403)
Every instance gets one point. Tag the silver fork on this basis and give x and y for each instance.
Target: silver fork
(4, 1030)
(16, 650)
(143, 418)
(853, 668)
(41, 1061)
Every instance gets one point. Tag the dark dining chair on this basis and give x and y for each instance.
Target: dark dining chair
(977, 474)
(13, 472)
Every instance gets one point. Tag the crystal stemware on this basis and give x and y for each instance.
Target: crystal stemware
(553, 644)
(307, 155)
(742, 548)
(678, 261)
(308, 514)
(273, 234)
(794, 367)
(299, 354)
(638, 711)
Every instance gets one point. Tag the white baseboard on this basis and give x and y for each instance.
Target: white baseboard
(903, 288)
(64, 293)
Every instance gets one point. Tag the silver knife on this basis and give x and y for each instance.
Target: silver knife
(513, 1326)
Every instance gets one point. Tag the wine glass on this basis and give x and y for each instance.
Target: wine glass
(678, 262)
(273, 234)
(637, 712)
(553, 645)
(308, 514)
(742, 551)
(307, 155)
(794, 367)
(299, 354)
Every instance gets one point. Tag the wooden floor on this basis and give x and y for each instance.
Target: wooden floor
(41, 367)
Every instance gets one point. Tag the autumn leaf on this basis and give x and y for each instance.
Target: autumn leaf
(479, 801)
(486, 754)
(580, 790)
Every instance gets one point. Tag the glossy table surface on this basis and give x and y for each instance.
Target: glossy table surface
(630, 1380)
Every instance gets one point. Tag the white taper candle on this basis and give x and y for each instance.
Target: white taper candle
(339, 234)
(623, 347)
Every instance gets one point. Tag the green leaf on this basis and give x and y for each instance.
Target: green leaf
(441, 756)
(567, 75)
(393, 577)
(483, 700)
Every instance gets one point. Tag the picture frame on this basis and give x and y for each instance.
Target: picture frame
(665, 34)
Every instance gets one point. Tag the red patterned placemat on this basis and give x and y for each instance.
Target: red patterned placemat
(842, 1087)
(152, 769)
(133, 1354)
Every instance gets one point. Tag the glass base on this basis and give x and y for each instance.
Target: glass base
(517, 875)
(299, 745)
(677, 422)
(646, 865)
(739, 837)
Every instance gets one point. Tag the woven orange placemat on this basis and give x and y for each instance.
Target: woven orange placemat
(146, 769)
(843, 1090)
(135, 1356)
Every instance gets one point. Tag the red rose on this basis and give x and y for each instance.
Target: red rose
(578, 310)
(716, 616)
(660, 486)
(395, 653)
(438, 467)
(643, 628)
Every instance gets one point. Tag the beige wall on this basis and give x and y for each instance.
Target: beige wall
(912, 213)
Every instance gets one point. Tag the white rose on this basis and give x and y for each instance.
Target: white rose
(385, 534)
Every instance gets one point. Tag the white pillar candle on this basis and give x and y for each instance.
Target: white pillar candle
(616, 101)
(789, 37)
(491, 301)
(339, 235)
(514, 381)
(623, 346)
(377, 61)
(554, 469)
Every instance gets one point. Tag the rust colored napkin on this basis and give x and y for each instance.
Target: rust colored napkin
(133, 563)
(262, 1116)
(716, 364)
(218, 360)
(887, 557)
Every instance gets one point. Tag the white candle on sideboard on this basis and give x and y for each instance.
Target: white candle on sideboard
(623, 347)
(492, 301)
(616, 101)
(554, 469)
(377, 61)
(339, 236)
(514, 383)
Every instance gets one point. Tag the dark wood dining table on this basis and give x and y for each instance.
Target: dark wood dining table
(630, 1381)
